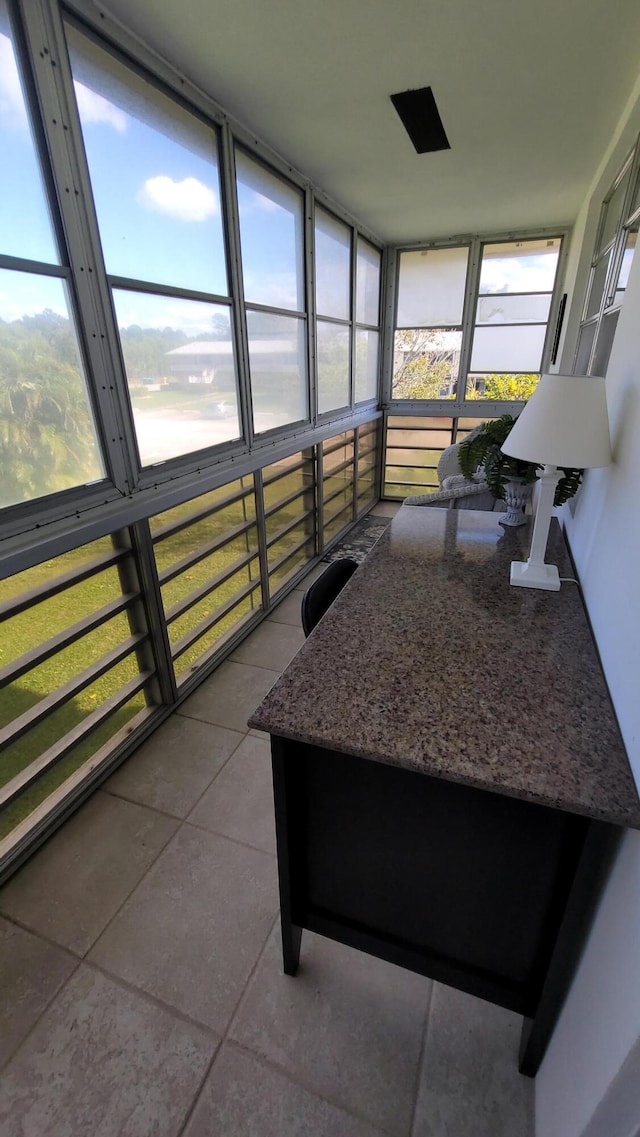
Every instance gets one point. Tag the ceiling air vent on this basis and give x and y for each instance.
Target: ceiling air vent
(421, 119)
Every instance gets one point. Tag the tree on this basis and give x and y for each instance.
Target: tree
(504, 387)
(145, 350)
(46, 435)
(425, 363)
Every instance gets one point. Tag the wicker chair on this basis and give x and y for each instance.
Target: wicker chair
(455, 490)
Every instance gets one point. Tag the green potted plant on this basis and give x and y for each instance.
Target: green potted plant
(509, 479)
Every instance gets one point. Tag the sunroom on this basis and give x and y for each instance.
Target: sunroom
(219, 351)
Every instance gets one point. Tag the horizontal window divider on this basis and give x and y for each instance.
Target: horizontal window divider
(204, 551)
(172, 527)
(367, 327)
(348, 506)
(343, 323)
(18, 727)
(338, 444)
(199, 594)
(52, 646)
(325, 416)
(288, 528)
(51, 533)
(407, 485)
(269, 479)
(428, 327)
(512, 324)
(41, 592)
(129, 284)
(288, 500)
(271, 308)
(346, 487)
(210, 622)
(38, 268)
(64, 745)
(280, 561)
(331, 473)
(504, 295)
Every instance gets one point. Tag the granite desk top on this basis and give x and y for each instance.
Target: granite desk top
(429, 660)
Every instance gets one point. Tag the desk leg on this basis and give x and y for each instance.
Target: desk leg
(600, 846)
(285, 811)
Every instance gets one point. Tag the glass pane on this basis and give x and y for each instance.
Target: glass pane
(585, 343)
(277, 360)
(520, 266)
(180, 365)
(426, 362)
(154, 173)
(25, 223)
(604, 343)
(504, 387)
(47, 436)
(530, 309)
(333, 267)
(333, 366)
(613, 211)
(627, 261)
(367, 283)
(272, 236)
(596, 288)
(366, 382)
(517, 348)
(431, 287)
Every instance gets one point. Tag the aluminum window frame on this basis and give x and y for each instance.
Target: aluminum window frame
(608, 308)
(39, 30)
(460, 406)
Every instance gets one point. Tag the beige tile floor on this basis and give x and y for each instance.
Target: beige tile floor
(141, 991)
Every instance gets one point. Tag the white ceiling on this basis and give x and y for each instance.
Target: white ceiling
(529, 94)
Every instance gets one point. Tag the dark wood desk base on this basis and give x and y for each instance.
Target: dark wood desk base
(486, 893)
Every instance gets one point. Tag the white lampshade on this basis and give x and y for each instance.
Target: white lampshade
(564, 423)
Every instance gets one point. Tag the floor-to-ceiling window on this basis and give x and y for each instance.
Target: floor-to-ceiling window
(185, 359)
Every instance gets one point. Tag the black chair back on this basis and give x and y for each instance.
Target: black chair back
(322, 593)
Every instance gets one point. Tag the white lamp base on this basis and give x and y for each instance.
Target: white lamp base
(527, 575)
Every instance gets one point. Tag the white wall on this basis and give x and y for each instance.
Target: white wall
(599, 1029)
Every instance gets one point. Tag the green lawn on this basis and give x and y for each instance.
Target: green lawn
(29, 629)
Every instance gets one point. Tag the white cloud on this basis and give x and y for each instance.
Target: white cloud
(251, 200)
(12, 309)
(188, 200)
(12, 108)
(95, 108)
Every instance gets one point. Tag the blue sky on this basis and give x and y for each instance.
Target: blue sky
(157, 197)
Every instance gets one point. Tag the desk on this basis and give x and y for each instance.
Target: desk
(450, 782)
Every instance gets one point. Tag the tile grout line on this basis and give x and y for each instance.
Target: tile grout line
(421, 1058)
(65, 947)
(14, 1054)
(235, 840)
(173, 816)
(148, 997)
(294, 1076)
(225, 1035)
(290, 1076)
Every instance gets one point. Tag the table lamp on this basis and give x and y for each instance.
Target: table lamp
(564, 423)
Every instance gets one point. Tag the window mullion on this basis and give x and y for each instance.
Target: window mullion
(554, 308)
(45, 39)
(472, 289)
(228, 185)
(390, 294)
(310, 289)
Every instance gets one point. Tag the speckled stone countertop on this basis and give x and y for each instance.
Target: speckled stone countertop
(429, 660)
